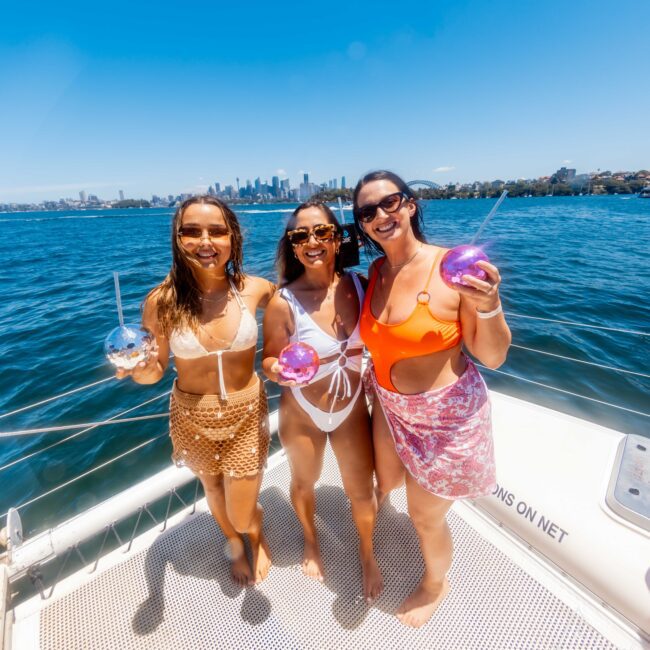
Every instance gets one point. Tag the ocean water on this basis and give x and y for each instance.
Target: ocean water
(582, 259)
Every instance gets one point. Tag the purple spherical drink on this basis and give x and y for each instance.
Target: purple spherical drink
(460, 261)
(299, 362)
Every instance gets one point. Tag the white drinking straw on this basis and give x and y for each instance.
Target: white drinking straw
(118, 297)
(487, 219)
(341, 210)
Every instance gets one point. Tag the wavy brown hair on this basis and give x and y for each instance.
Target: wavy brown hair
(417, 223)
(177, 296)
(288, 266)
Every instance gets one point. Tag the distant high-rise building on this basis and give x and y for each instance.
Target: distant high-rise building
(121, 193)
(237, 179)
(305, 178)
(217, 188)
(335, 183)
(82, 196)
(307, 190)
(258, 185)
(211, 191)
(342, 182)
(275, 186)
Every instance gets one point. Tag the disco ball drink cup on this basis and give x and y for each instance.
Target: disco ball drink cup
(127, 345)
(460, 261)
(299, 362)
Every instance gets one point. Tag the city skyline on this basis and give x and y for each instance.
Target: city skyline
(171, 99)
(567, 180)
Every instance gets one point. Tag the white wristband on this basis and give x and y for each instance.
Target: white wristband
(489, 314)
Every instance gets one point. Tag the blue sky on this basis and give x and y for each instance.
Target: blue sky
(159, 97)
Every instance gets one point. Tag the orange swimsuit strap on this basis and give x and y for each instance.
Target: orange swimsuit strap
(420, 334)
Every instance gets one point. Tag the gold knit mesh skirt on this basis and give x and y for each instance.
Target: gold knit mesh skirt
(212, 435)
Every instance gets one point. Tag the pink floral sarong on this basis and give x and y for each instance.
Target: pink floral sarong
(444, 436)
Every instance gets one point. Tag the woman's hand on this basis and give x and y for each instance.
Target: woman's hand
(145, 372)
(274, 375)
(483, 295)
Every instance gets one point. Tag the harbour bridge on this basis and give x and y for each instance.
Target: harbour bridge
(430, 184)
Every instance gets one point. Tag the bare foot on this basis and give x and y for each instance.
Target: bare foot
(373, 583)
(240, 570)
(261, 560)
(312, 564)
(417, 609)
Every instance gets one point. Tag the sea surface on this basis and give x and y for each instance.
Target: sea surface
(581, 259)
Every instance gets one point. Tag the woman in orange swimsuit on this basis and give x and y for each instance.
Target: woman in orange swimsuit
(433, 429)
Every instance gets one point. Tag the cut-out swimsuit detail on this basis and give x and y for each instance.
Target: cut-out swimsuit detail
(307, 331)
(420, 334)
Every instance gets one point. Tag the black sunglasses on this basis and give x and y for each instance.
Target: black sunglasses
(389, 204)
(322, 232)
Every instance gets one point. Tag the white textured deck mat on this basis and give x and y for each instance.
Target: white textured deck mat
(178, 594)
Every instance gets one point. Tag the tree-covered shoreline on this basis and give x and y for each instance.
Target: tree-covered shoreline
(605, 183)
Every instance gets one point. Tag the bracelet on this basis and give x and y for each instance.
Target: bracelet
(489, 314)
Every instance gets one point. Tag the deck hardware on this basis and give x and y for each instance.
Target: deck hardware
(108, 529)
(196, 494)
(172, 493)
(135, 529)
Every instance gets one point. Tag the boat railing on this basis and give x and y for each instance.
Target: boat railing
(117, 520)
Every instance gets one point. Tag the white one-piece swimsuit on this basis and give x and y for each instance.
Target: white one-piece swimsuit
(307, 331)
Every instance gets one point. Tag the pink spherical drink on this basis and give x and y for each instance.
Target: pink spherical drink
(299, 362)
(460, 261)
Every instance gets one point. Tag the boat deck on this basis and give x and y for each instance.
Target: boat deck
(173, 589)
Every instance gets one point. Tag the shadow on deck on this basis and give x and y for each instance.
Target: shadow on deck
(178, 592)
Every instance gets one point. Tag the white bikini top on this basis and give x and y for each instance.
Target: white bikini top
(307, 331)
(186, 345)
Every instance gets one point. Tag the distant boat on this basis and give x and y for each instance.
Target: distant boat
(645, 193)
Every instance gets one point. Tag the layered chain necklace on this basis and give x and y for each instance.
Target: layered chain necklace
(219, 341)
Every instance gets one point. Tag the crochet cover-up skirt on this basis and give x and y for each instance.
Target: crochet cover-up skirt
(212, 435)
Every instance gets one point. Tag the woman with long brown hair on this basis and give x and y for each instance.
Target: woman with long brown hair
(320, 305)
(204, 312)
(431, 416)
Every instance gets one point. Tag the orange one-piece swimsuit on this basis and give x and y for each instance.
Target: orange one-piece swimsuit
(420, 334)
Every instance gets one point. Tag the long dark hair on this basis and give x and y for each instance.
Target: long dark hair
(178, 294)
(417, 223)
(288, 266)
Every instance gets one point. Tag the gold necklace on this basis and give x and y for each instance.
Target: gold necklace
(219, 341)
(408, 261)
(212, 300)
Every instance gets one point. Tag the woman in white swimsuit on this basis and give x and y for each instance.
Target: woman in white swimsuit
(204, 312)
(320, 305)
